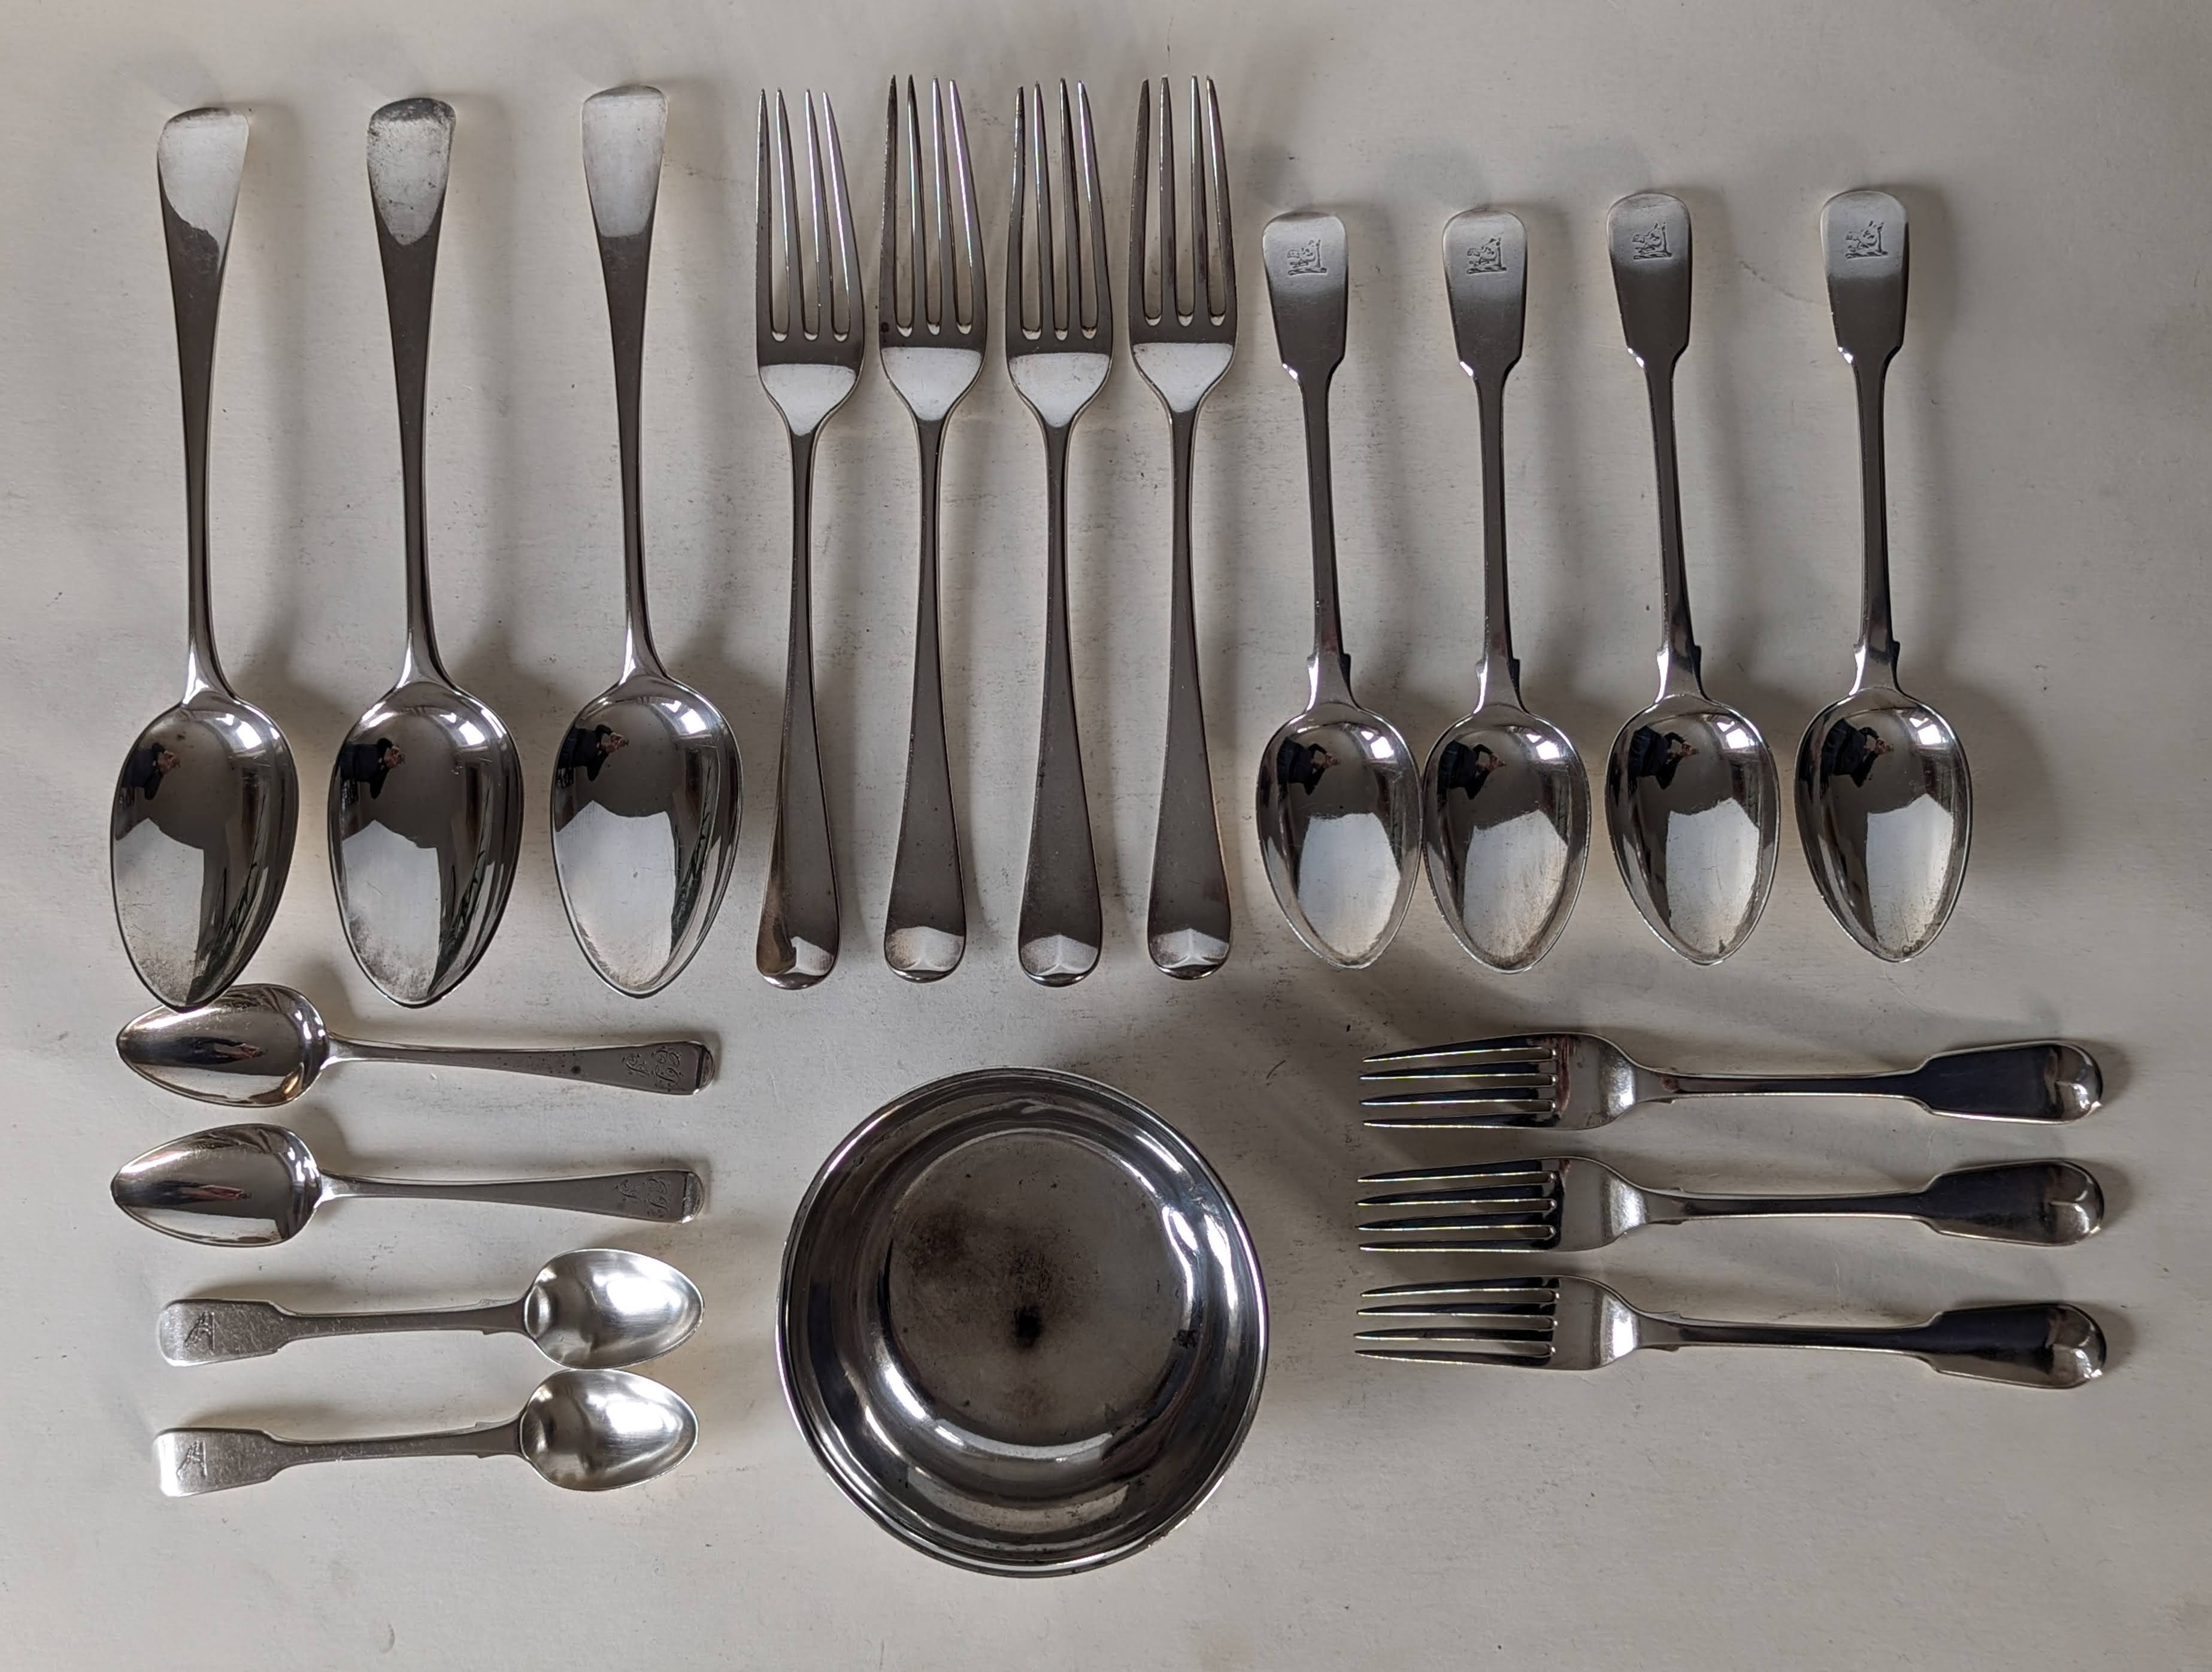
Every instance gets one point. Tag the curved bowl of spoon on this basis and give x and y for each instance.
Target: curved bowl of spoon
(1508, 806)
(1339, 820)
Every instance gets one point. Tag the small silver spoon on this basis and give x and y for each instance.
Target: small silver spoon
(586, 1430)
(250, 1186)
(1885, 803)
(258, 1046)
(197, 871)
(647, 784)
(1340, 794)
(426, 794)
(1690, 788)
(589, 1309)
(1508, 800)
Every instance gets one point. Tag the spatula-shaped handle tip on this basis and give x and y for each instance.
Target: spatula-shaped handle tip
(201, 160)
(625, 132)
(410, 145)
(1306, 258)
(1863, 235)
(1648, 237)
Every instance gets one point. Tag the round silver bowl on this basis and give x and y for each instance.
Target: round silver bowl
(1021, 1322)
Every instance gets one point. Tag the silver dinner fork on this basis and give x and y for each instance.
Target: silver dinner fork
(808, 334)
(1573, 1324)
(1574, 1081)
(1571, 1204)
(1059, 347)
(1182, 332)
(930, 316)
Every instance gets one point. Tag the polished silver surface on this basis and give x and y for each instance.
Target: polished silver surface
(1885, 802)
(647, 787)
(1506, 799)
(258, 1046)
(1338, 800)
(1183, 333)
(250, 1186)
(1021, 1322)
(1575, 1081)
(1573, 1203)
(1059, 347)
(1691, 793)
(586, 1430)
(589, 1309)
(1573, 1324)
(200, 833)
(426, 794)
(932, 309)
(809, 339)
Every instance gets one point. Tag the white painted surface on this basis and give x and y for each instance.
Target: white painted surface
(2050, 418)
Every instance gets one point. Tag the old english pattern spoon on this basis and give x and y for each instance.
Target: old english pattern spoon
(1057, 364)
(1885, 804)
(1690, 788)
(426, 795)
(1183, 333)
(1507, 802)
(809, 354)
(255, 1047)
(646, 788)
(586, 1430)
(200, 834)
(929, 337)
(1339, 796)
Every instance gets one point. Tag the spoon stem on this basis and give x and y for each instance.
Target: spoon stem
(669, 1196)
(674, 1067)
(1500, 667)
(1877, 652)
(1329, 671)
(1679, 671)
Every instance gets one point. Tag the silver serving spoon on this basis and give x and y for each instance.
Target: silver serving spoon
(426, 794)
(586, 1430)
(647, 786)
(1508, 800)
(590, 1309)
(1339, 796)
(1885, 804)
(256, 1046)
(1689, 788)
(250, 1186)
(200, 833)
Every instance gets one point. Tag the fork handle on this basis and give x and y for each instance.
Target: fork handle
(2046, 1079)
(2044, 1346)
(2049, 1202)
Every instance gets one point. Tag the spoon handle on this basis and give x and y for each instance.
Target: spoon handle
(1486, 281)
(675, 1068)
(1863, 233)
(1305, 256)
(201, 160)
(207, 1332)
(192, 1461)
(667, 1196)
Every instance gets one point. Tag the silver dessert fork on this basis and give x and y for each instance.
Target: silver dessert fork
(1182, 332)
(930, 310)
(809, 349)
(1059, 347)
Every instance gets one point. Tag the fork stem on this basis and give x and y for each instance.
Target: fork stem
(1667, 1208)
(1329, 672)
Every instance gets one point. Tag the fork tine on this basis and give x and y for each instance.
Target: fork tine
(1544, 1289)
(1520, 1169)
(1201, 277)
(917, 275)
(1528, 1197)
(786, 205)
(1171, 296)
(1517, 1047)
(1484, 1245)
(1226, 239)
(1071, 216)
(764, 231)
(1440, 1356)
(941, 304)
(1536, 1343)
(1538, 1219)
(817, 220)
(887, 298)
(845, 299)
(1017, 310)
(1140, 307)
(1483, 1074)
(1094, 211)
(1040, 161)
(1493, 1115)
(971, 224)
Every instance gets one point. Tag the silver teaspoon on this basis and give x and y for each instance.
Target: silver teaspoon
(1339, 796)
(1885, 804)
(1508, 800)
(646, 788)
(426, 795)
(586, 1430)
(197, 871)
(1690, 788)
(251, 1186)
(255, 1047)
(589, 1309)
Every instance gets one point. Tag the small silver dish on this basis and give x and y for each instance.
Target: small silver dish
(1021, 1322)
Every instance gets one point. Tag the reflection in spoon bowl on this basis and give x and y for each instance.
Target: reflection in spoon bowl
(644, 827)
(1885, 808)
(596, 1430)
(1691, 796)
(1508, 811)
(1340, 817)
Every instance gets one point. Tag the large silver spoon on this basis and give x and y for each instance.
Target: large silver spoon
(646, 787)
(1885, 804)
(1508, 800)
(1340, 794)
(1690, 788)
(250, 1186)
(257, 1046)
(197, 871)
(586, 1430)
(426, 795)
(589, 1309)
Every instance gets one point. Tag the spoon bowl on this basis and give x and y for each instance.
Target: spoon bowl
(1508, 805)
(1340, 820)
(603, 1308)
(596, 1430)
